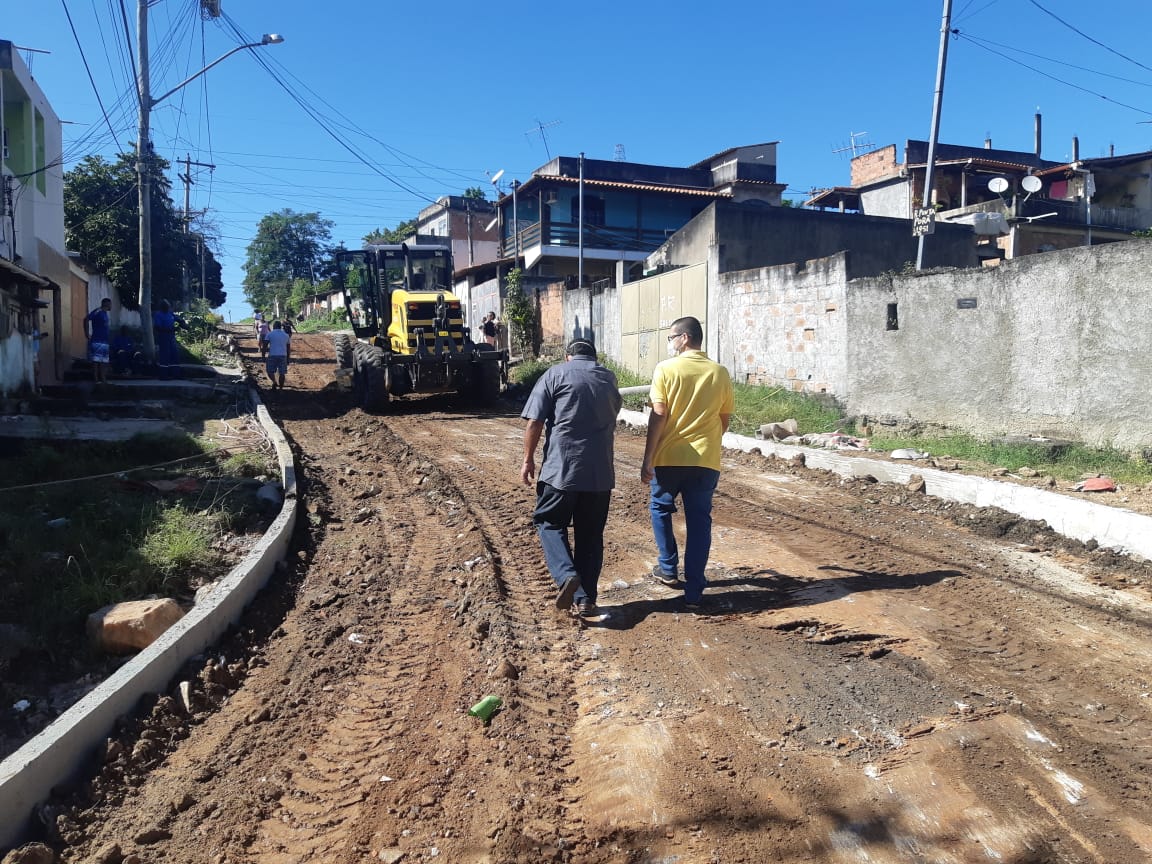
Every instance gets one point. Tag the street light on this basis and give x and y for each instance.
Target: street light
(144, 153)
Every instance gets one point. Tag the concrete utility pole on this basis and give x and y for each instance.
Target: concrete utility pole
(144, 158)
(187, 178)
(580, 229)
(937, 101)
(143, 182)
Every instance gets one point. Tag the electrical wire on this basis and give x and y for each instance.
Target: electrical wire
(128, 42)
(321, 121)
(1080, 32)
(107, 209)
(88, 69)
(978, 39)
(1143, 111)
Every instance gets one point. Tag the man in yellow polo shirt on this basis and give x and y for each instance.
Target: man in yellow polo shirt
(692, 403)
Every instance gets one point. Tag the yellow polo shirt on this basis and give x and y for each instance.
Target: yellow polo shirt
(695, 392)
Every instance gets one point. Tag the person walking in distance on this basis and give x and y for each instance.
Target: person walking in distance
(692, 403)
(575, 403)
(164, 324)
(279, 344)
(97, 327)
(489, 328)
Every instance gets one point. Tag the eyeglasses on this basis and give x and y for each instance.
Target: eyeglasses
(674, 336)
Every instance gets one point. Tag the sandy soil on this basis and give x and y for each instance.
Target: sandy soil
(876, 681)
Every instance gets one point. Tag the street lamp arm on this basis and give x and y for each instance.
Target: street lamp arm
(271, 39)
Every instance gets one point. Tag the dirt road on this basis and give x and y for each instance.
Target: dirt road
(875, 684)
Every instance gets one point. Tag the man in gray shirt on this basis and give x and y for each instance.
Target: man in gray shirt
(576, 403)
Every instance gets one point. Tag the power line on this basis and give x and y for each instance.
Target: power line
(128, 42)
(87, 69)
(978, 39)
(1053, 77)
(1075, 29)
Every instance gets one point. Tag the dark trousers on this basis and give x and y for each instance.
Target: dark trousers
(586, 513)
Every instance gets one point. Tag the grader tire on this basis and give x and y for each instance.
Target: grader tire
(375, 393)
(342, 343)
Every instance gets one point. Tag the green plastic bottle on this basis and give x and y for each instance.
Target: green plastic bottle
(486, 707)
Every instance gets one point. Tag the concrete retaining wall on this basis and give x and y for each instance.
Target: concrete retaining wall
(57, 753)
(1054, 344)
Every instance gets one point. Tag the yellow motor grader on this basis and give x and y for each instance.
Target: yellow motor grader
(409, 328)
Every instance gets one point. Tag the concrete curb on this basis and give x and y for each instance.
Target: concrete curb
(1111, 527)
(28, 775)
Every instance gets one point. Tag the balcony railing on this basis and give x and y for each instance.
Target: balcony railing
(595, 237)
(1073, 212)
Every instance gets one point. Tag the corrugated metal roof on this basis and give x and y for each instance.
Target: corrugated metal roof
(981, 163)
(641, 187)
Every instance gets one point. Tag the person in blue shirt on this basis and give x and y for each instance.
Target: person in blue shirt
(164, 324)
(125, 358)
(96, 328)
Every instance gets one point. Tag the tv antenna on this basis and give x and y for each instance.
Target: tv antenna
(539, 130)
(620, 153)
(856, 147)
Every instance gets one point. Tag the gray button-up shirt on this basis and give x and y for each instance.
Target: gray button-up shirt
(577, 402)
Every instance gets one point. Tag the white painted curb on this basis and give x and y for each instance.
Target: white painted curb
(1111, 527)
(57, 753)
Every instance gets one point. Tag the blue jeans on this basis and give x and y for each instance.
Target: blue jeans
(587, 513)
(695, 487)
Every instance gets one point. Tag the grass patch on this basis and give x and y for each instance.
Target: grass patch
(73, 547)
(180, 540)
(755, 406)
(337, 319)
(528, 373)
(1066, 464)
(248, 463)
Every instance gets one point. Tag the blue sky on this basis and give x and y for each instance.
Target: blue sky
(432, 97)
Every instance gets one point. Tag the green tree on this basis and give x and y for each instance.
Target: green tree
(391, 235)
(288, 246)
(101, 223)
(520, 313)
(476, 193)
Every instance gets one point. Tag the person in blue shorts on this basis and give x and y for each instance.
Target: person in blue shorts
(97, 326)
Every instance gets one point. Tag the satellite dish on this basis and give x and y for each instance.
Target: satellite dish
(491, 224)
(1031, 183)
(496, 177)
(998, 184)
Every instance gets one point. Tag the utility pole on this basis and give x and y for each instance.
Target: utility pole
(937, 101)
(516, 221)
(580, 228)
(143, 179)
(144, 157)
(188, 181)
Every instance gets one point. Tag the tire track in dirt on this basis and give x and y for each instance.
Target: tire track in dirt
(874, 684)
